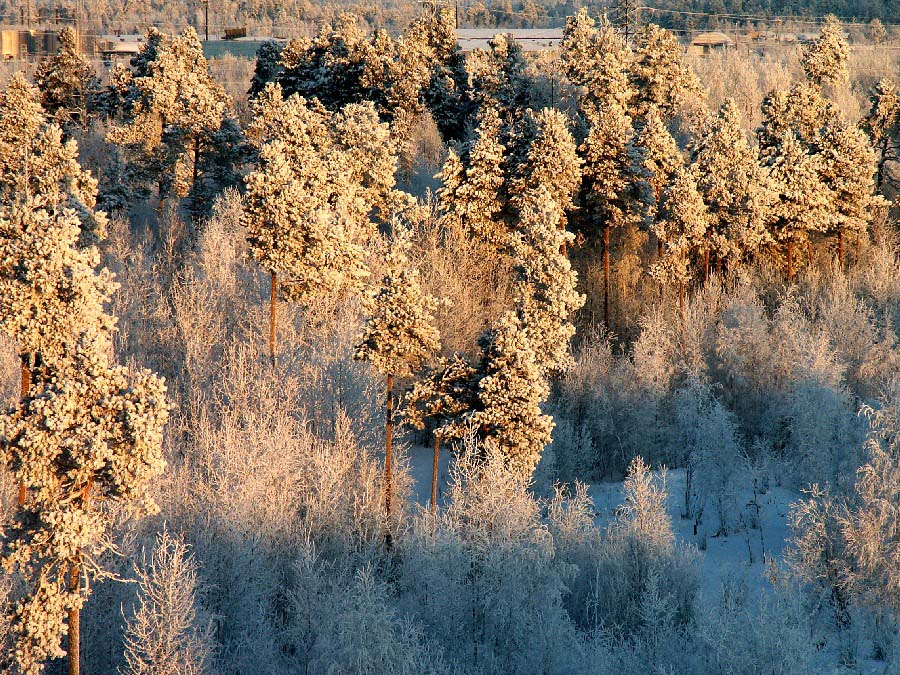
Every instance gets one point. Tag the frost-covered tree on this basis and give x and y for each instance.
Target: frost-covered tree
(444, 394)
(801, 109)
(65, 80)
(310, 202)
(658, 160)
(644, 509)
(883, 125)
(545, 283)
(659, 75)
(848, 169)
(498, 77)
(733, 184)
(552, 165)
(608, 174)
(473, 194)
(683, 225)
(447, 93)
(269, 67)
(510, 393)
(824, 60)
(802, 200)
(596, 60)
(173, 109)
(38, 166)
(165, 634)
(400, 333)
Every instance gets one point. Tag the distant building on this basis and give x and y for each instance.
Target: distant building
(710, 42)
(116, 48)
(531, 39)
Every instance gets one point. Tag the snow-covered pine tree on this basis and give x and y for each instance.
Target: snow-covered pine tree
(882, 123)
(683, 225)
(552, 164)
(801, 109)
(175, 107)
(545, 283)
(65, 80)
(848, 169)
(510, 393)
(447, 94)
(658, 160)
(659, 75)
(498, 77)
(91, 434)
(824, 60)
(400, 333)
(803, 200)
(444, 394)
(269, 67)
(473, 197)
(609, 169)
(37, 165)
(596, 60)
(83, 429)
(733, 184)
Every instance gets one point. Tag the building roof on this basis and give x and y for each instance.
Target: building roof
(531, 39)
(713, 39)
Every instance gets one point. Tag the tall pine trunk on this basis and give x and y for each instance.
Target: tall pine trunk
(25, 387)
(681, 299)
(388, 434)
(606, 275)
(74, 627)
(273, 308)
(434, 473)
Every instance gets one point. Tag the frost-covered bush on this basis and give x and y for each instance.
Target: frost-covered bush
(168, 632)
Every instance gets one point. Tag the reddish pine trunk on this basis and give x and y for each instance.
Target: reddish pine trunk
(74, 629)
(388, 429)
(26, 386)
(606, 276)
(434, 473)
(706, 266)
(273, 306)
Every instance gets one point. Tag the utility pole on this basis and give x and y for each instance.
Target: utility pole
(627, 17)
(205, 4)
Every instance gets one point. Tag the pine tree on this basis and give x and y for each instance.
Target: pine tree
(510, 393)
(310, 203)
(37, 165)
(824, 60)
(684, 221)
(83, 430)
(269, 67)
(659, 74)
(499, 78)
(400, 333)
(552, 164)
(444, 394)
(447, 94)
(174, 109)
(883, 125)
(802, 204)
(609, 169)
(596, 60)
(802, 109)
(545, 283)
(848, 169)
(473, 196)
(65, 81)
(658, 160)
(733, 184)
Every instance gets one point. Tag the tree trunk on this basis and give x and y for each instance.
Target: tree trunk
(273, 308)
(606, 276)
(26, 386)
(196, 162)
(790, 261)
(434, 473)
(705, 266)
(388, 439)
(841, 250)
(879, 173)
(681, 299)
(74, 628)
(388, 432)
